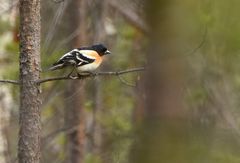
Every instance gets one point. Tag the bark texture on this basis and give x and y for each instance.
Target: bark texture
(30, 125)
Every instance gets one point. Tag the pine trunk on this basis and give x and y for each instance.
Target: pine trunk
(163, 129)
(30, 123)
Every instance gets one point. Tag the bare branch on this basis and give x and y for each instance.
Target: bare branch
(110, 73)
(9, 81)
(125, 82)
(116, 73)
(66, 130)
(204, 37)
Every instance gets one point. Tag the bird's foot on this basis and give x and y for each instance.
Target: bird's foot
(73, 77)
(85, 74)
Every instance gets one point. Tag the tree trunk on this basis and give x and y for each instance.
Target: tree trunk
(30, 122)
(163, 133)
(97, 17)
(166, 134)
(75, 114)
(75, 119)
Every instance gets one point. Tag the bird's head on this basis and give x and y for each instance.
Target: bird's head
(101, 49)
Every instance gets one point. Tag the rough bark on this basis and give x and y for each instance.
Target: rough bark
(30, 125)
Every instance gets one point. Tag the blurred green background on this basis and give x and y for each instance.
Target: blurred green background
(183, 108)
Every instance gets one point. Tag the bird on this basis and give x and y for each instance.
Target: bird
(83, 59)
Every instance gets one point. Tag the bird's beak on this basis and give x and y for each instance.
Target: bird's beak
(107, 52)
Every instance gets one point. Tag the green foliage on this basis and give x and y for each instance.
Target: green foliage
(90, 158)
(4, 26)
(198, 97)
(12, 59)
(213, 85)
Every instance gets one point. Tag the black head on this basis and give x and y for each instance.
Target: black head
(101, 49)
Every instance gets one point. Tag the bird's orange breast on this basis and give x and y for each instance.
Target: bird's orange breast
(93, 55)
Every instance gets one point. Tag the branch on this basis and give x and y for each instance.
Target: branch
(52, 135)
(9, 81)
(116, 73)
(125, 82)
(110, 73)
(204, 37)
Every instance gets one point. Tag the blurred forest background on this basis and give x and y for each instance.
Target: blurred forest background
(183, 108)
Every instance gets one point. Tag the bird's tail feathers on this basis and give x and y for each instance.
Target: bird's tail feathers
(54, 67)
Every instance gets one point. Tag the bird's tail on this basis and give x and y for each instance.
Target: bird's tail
(54, 67)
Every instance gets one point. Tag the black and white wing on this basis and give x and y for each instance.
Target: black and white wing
(72, 58)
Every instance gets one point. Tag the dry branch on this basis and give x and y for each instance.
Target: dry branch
(199, 46)
(110, 73)
(9, 81)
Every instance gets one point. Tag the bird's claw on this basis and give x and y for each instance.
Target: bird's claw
(86, 74)
(73, 77)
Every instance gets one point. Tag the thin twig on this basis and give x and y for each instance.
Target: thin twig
(125, 82)
(116, 73)
(52, 135)
(201, 43)
(56, 20)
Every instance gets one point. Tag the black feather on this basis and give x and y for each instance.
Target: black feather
(73, 58)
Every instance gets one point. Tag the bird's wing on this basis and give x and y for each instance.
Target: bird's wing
(76, 58)
(85, 57)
